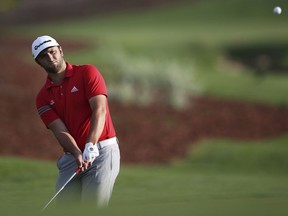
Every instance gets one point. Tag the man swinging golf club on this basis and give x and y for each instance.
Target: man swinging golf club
(73, 105)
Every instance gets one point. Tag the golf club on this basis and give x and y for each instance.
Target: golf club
(75, 173)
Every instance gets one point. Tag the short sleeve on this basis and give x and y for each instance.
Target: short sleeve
(45, 111)
(94, 82)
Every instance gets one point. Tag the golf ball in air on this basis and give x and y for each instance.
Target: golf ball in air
(277, 10)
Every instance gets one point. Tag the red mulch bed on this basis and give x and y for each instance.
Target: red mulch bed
(154, 134)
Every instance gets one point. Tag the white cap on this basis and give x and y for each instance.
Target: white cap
(42, 43)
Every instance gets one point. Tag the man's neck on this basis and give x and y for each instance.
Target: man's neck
(58, 77)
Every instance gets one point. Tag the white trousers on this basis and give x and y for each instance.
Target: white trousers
(93, 186)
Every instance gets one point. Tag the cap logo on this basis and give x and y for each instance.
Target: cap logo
(37, 46)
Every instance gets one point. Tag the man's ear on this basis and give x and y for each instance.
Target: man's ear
(61, 51)
(37, 61)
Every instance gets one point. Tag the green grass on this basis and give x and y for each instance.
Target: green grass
(221, 177)
(263, 156)
(194, 34)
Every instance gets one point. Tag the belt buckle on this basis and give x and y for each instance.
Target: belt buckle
(99, 145)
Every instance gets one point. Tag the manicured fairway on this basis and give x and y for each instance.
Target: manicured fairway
(220, 185)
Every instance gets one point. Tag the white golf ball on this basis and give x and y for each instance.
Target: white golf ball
(277, 10)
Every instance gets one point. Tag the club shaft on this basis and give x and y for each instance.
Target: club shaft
(60, 190)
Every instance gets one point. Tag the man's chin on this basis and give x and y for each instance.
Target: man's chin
(51, 71)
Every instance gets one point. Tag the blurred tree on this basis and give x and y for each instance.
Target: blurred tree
(8, 5)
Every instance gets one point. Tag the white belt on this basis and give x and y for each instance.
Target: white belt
(104, 143)
(107, 142)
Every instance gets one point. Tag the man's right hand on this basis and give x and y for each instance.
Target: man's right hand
(82, 164)
(79, 161)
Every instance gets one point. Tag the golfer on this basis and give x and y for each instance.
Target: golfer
(73, 105)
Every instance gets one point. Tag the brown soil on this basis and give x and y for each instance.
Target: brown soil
(154, 134)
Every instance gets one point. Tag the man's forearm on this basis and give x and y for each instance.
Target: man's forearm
(97, 125)
(64, 137)
(68, 143)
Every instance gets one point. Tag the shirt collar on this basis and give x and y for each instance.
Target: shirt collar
(68, 73)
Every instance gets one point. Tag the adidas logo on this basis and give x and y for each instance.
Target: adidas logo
(74, 89)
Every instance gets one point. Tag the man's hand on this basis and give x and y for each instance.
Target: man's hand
(82, 166)
(90, 152)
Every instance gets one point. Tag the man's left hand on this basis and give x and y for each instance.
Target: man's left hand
(90, 152)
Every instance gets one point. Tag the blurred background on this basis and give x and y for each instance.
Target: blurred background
(197, 91)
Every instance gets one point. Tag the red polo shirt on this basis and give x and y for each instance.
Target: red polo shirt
(68, 101)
